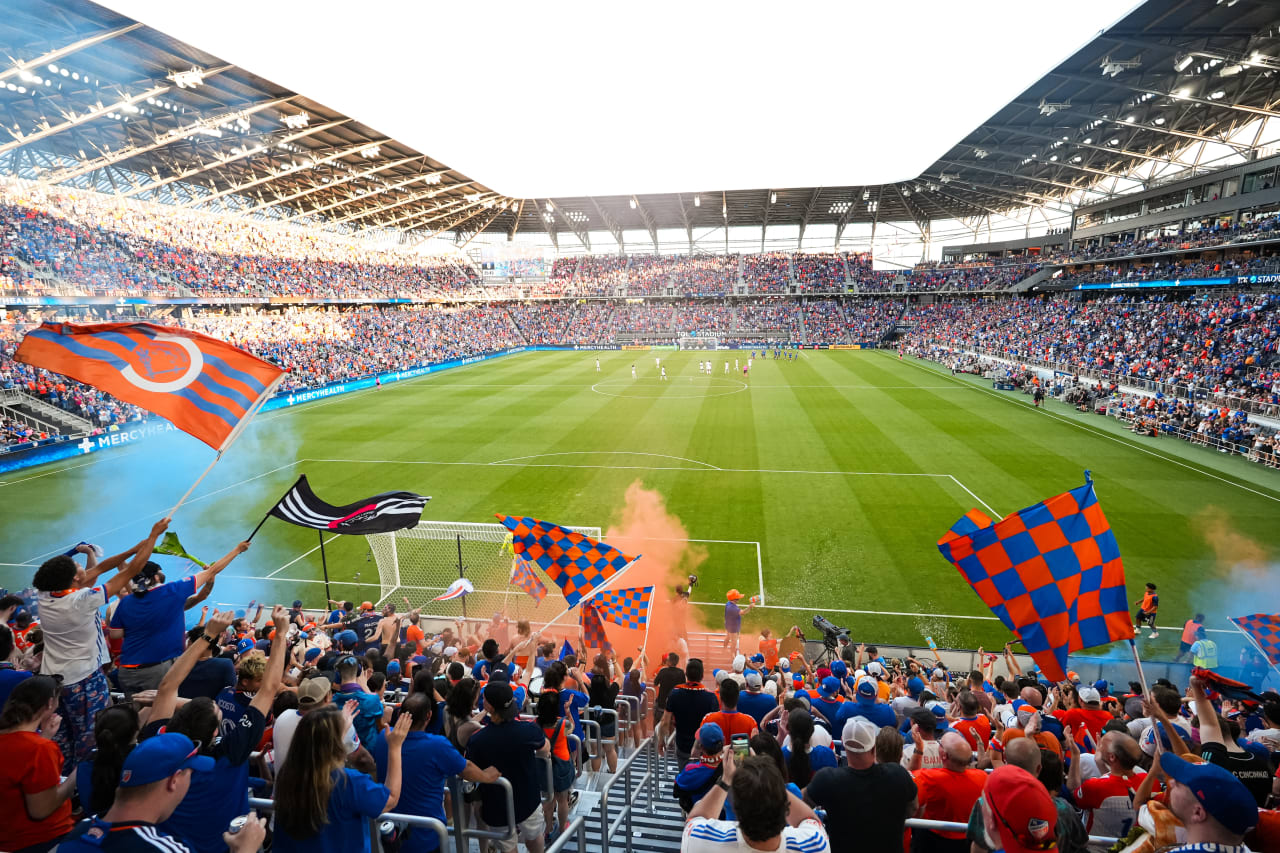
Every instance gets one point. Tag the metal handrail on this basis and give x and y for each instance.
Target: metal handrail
(949, 826)
(599, 711)
(576, 828)
(431, 823)
(587, 727)
(550, 792)
(461, 833)
(608, 829)
(575, 750)
(632, 704)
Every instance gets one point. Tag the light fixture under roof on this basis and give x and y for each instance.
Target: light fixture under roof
(1182, 61)
(192, 78)
(297, 121)
(1112, 67)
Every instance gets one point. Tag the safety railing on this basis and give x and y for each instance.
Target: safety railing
(602, 717)
(577, 830)
(592, 730)
(462, 834)
(628, 710)
(948, 826)
(623, 775)
(384, 823)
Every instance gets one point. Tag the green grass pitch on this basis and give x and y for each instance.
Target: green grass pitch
(845, 467)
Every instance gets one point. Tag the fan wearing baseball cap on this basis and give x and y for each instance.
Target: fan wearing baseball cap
(510, 745)
(1018, 815)
(885, 794)
(155, 779)
(733, 619)
(947, 793)
(1215, 807)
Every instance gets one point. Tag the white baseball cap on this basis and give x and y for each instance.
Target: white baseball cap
(739, 663)
(1088, 694)
(450, 651)
(859, 735)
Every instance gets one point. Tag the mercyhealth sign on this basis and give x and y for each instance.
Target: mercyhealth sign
(142, 430)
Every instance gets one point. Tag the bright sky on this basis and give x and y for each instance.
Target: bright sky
(587, 98)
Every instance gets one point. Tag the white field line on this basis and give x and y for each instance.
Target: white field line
(760, 573)
(631, 467)
(975, 497)
(160, 513)
(604, 453)
(647, 381)
(300, 556)
(1111, 437)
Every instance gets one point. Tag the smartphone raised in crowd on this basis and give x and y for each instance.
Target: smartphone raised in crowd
(740, 746)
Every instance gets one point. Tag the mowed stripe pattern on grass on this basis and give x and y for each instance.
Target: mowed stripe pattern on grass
(829, 539)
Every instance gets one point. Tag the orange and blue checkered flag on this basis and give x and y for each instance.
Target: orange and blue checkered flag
(522, 576)
(593, 629)
(626, 607)
(1051, 573)
(576, 562)
(1263, 630)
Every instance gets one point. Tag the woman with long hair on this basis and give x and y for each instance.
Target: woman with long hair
(802, 756)
(601, 693)
(115, 731)
(633, 685)
(763, 743)
(459, 711)
(320, 803)
(34, 800)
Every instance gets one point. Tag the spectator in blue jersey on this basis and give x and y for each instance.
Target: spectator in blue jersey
(695, 779)
(491, 660)
(866, 705)
(155, 779)
(571, 701)
(366, 626)
(753, 701)
(353, 684)
(803, 757)
(339, 612)
(827, 698)
(217, 796)
(152, 624)
(432, 760)
(212, 673)
(903, 705)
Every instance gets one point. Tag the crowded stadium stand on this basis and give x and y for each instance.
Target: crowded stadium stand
(182, 190)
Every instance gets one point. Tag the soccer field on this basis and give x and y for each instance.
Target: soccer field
(822, 483)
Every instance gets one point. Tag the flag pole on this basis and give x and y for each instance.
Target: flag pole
(1253, 641)
(1146, 691)
(648, 621)
(235, 433)
(324, 565)
(595, 591)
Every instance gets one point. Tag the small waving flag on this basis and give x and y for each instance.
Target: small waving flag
(626, 607)
(1051, 573)
(457, 589)
(382, 513)
(522, 576)
(1263, 631)
(576, 562)
(565, 650)
(170, 546)
(593, 629)
(202, 385)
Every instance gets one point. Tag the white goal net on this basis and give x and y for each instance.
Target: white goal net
(420, 562)
(699, 343)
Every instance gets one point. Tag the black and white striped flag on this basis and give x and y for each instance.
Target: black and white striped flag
(379, 514)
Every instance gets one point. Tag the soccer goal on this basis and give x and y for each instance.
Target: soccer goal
(420, 562)
(699, 343)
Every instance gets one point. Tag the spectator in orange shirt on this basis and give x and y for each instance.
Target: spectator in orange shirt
(974, 725)
(730, 720)
(947, 793)
(768, 648)
(1147, 608)
(1088, 721)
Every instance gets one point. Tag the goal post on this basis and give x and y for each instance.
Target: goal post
(703, 343)
(421, 561)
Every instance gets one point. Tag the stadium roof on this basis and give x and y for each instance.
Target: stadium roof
(97, 99)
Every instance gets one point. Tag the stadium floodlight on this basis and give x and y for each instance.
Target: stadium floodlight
(1182, 61)
(1218, 95)
(773, 198)
(1111, 67)
(297, 121)
(697, 201)
(371, 152)
(1159, 120)
(980, 153)
(633, 204)
(1231, 70)
(190, 79)
(1048, 108)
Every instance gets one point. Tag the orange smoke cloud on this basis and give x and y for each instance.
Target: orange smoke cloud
(1233, 549)
(645, 526)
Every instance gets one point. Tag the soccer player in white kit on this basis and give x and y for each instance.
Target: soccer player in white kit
(735, 365)
(633, 371)
(664, 373)
(726, 368)
(597, 365)
(749, 363)
(657, 361)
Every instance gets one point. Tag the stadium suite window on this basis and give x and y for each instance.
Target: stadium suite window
(1263, 179)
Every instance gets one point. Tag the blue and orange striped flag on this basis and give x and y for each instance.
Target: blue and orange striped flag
(1263, 631)
(522, 576)
(626, 607)
(593, 629)
(576, 562)
(1051, 573)
(202, 385)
